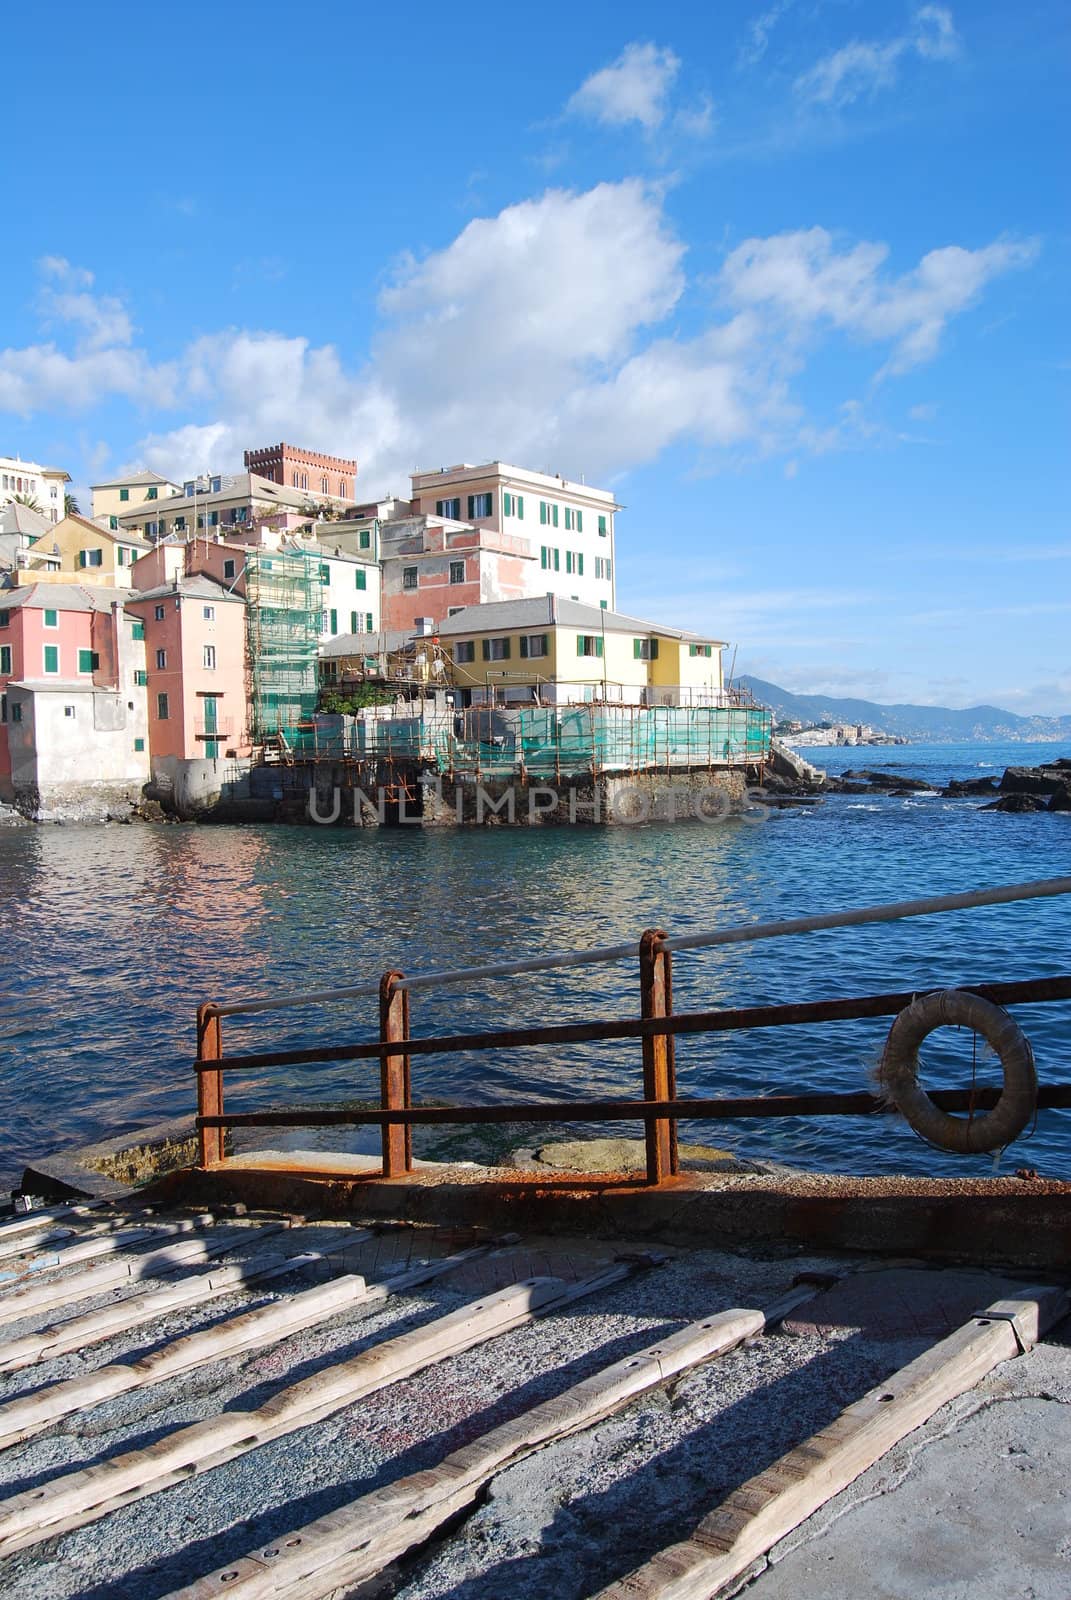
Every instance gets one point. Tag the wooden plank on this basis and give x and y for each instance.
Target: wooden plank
(40, 1221)
(103, 1242)
(77, 1332)
(767, 1507)
(21, 1418)
(106, 1274)
(75, 1498)
(358, 1539)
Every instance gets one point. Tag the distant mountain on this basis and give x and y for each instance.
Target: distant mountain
(938, 724)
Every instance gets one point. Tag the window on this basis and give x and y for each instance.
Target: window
(161, 659)
(91, 558)
(602, 526)
(645, 649)
(3, 697)
(579, 521)
(355, 626)
(51, 619)
(480, 505)
(124, 494)
(228, 569)
(513, 506)
(360, 578)
(215, 485)
(88, 661)
(589, 644)
(208, 657)
(51, 657)
(16, 711)
(465, 650)
(334, 622)
(496, 649)
(325, 622)
(574, 562)
(452, 611)
(457, 572)
(150, 493)
(139, 744)
(141, 678)
(240, 514)
(449, 508)
(150, 530)
(189, 489)
(293, 480)
(580, 563)
(180, 524)
(535, 644)
(569, 524)
(158, 613)
(368, 622)
(5, 619)
(325, 572)
(69, 711)
(342, 487)
(5, 660)
(323, 485)
(701, 650)
(409, 577)
(162, 526)
(364, 539)
(213, 519)
(209, 613)
(113, 524)
(161, 707)
(548, 514)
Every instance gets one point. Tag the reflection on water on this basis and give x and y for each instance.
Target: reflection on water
(113, 935)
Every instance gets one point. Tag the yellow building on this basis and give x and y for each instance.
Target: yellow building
(79, 551)
(120, 495)
(561, 652)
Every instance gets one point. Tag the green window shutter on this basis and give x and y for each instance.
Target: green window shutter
(139, 744)
(580, 522)
(520, 507)
(325, 572)
(353, 622)
(691, 649)
(141, 678)
(598, 645)
(51, 658)
(524, 646)
(138, 631)
(85, 661)
(334, 622)
(81, 558)
(505, 649)
(364, 539)
(554, 515)
(51, 619)
(472, 506)
(5, 659)
(544, 558)
(543, 512)
(368, 622)
(637, 649)
(557, 560)
(654, 649)
(580, 563)
(546, 644)
(485, 649)
(361, 578)
(602, 526)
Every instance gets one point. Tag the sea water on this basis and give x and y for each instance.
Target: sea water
(111, 936)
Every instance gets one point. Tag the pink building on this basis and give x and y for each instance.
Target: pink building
(433, 567)
(196, 683)
(334, 477)
(73, 734)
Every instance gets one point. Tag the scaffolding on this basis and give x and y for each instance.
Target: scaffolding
(284, 616)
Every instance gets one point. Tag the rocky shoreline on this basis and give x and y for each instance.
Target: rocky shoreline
(1042, 788)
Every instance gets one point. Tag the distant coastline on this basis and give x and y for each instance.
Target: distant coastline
(913, 723)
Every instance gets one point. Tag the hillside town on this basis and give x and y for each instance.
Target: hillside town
(185, 634)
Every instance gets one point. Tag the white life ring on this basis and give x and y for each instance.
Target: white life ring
(898, 1072)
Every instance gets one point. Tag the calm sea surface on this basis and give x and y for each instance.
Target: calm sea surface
(112, 935)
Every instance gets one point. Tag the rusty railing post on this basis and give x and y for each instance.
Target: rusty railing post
(394, 1075)
(209, 1084)
(659, 1066)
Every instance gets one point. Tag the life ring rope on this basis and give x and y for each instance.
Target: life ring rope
(899, 1069)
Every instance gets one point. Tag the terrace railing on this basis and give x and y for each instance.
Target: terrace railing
(656, 1028)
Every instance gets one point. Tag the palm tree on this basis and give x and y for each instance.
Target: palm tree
(71, 508)
(26, 500)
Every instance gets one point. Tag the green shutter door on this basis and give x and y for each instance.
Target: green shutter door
(524, 646)
(334, 622)
(485, 649)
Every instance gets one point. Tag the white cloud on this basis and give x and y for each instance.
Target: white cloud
(865, 66)
(803, 277)
(547, 335)
(634, 88)
(102, 319)
(759, 33)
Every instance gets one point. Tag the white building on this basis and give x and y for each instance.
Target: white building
(29, 481)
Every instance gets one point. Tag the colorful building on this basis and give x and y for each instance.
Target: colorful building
(561, 652)
(77, 550)
(324, 477)
(195, 681)
(118, 496)
(73, 723)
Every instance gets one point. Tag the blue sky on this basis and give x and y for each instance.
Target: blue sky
(789, 276)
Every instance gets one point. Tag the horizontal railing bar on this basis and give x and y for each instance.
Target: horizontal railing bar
(1024, 991)
(858, 1104)
(745, 933)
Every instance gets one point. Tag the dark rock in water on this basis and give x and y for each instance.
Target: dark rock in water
(891, 780)
(854, 788)
(1061, 800)
(1017, 802)
(1036, 780)
(962, 786)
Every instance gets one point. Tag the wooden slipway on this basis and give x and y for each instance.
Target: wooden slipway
(485, 1299)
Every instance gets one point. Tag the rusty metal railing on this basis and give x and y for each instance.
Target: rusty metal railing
(656, 1027)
